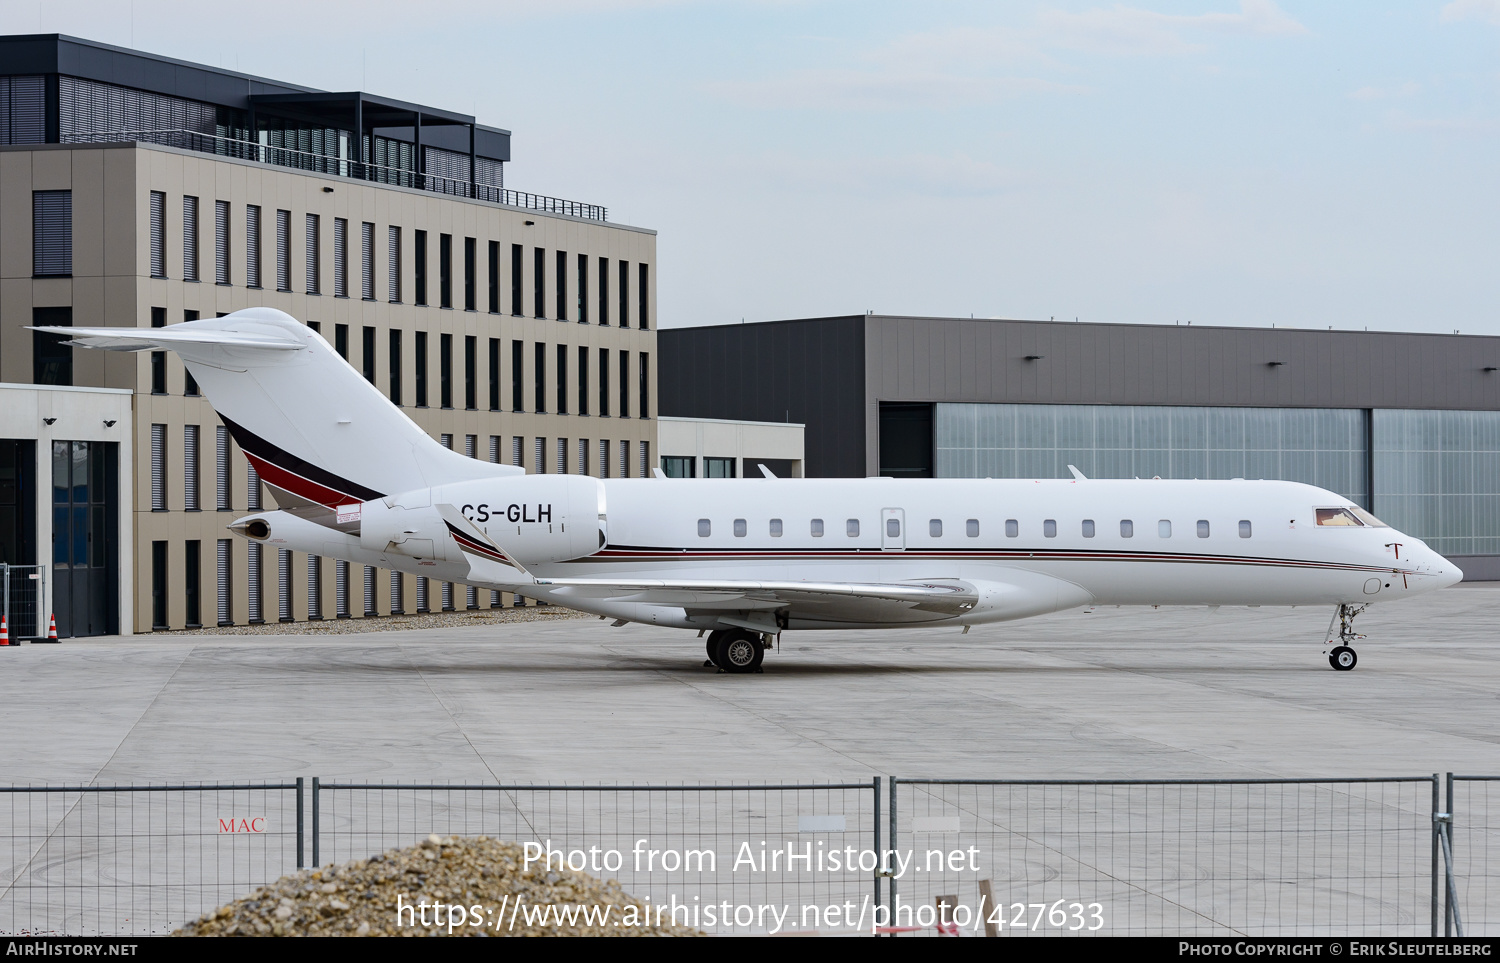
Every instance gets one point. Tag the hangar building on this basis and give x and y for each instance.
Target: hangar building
(1405, 424)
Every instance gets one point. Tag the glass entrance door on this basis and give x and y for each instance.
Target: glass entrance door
(85, 482)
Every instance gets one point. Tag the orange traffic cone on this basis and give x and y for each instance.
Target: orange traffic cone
(4, 632)
(51, 628)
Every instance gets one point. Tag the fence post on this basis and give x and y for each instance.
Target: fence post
(1448, 864)
(875, 796)
(300, 863)
(1436, 802)
(315, 861)
(890, 918)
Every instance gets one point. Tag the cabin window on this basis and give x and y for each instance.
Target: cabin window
(935, 528)
(1164, 528)
(739, 528)
(1012, 528)
(1127, 528)
(851, 528)
(1338, 517)
(1202, 528)
(775, 528)
(1244, 528)
(705, 528)
(971, 528)
(1049, 527)
(1088, 528)
(817, 528)
(893, 528)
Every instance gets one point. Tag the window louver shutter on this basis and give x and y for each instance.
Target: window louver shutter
(341, 589)
(369, 591)
(562, 456)
(283, 255)
(313, 264)
(221, 467)
(190, 468)
(603, 458)
(583, 456)
(190, 238)
(314, 586)
(158, 468)
(340, 258)
(393, 265)
(398, 601)
(284, 584)
(52, 233)
(447, 596)
(253, 582)
(422, 605)
(517, 451)
(645, 458)
(252, 246)
(221, 242)
(252, 488)
(624, 458)
(225, 610)
(158, 234)
(367, 261)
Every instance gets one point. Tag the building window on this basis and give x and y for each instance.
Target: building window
(583, 456)
(283, 250)
(314, 588)
(395, 365)
(603, 458)
(340, 257)
(221, 242)
(420, 337)
(225, 582)
(583, 289)
(419, 264)
(252, 488)
(256, 553)
(393, 264)
(644, 449)
(624, 285)
(540, 377)
(679, 466)
(398, 594)
(252, 246)
(562, 285)
(624, 384)
(516, 256)
(494, 277)
(644, 395)
(221, 469)
(158, 372)
(367, 354)
(158, 585)
(562, 379)
(517, 452)
(158, 234)
(494, 449)
(445, 370)
(190, 501)
(52, 233)
(314, 265)
(446, 440)
(539, 282)
(367, 261)
(189, 238)
(471, 446)
(340, 589)
(718, 468)
(643, 309)
(51, 359)
(471, 372)
(494, 374)
(583, 380)
(158, 468)
(470, 290)
(422, 605)
(370, 608)
(604, 290)
(540, 467)
(445, 270)
(517, 376)
(192, 583)
(341, 340)
(604, 382)
(284, 585)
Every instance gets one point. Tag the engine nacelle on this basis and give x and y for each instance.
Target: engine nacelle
(533, 518)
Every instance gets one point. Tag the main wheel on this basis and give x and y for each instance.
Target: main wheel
(1343, 658)
(739, 651)
(712, 644)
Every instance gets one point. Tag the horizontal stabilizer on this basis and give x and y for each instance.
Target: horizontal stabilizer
(148, 339)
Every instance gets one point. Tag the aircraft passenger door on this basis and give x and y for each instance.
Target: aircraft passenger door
(892, 529)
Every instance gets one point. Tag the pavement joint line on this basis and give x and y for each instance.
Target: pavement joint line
(427, 683)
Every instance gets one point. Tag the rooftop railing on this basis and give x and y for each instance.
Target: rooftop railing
(344, 167)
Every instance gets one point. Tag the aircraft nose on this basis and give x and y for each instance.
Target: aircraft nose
(1445, 572)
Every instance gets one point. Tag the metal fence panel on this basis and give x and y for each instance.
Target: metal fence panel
(693, 849)
(139, 860)
(21, 600)
(1190, 858)
(1474, 802)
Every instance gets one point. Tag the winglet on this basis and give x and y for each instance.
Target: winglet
(766, 471)
(475, 544)
(1077, 475)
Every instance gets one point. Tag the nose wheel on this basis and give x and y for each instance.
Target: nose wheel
(1342, 656)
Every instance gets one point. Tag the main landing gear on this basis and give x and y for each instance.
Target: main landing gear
(1342, 656)
(735, 650)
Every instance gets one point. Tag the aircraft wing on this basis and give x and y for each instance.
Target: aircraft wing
(856, 601)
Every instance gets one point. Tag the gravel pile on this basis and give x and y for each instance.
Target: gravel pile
(361, 898)
(394, 623)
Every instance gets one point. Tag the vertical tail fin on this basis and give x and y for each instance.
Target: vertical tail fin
(313, 427)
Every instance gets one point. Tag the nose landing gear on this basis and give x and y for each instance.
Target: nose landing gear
(1342, 656)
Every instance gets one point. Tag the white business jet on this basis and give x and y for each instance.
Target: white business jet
(744, 560)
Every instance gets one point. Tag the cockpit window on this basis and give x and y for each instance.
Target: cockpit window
(1338, 518)
(1367, 518)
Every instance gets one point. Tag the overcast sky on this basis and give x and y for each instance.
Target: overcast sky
(1234, 162)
